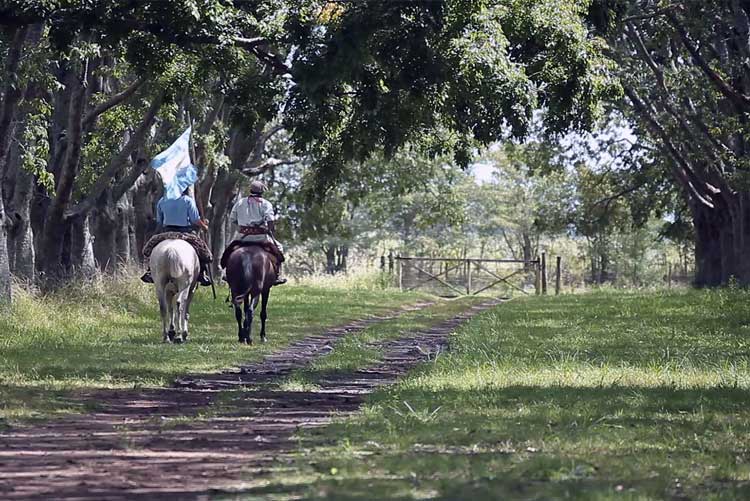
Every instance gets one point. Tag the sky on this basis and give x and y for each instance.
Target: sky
(482, 172)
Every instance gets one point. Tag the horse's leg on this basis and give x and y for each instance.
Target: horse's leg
(186, 315)
(181, 310)
(263, 314)
(164, 310)
(175, 315)
(240, 328)
(249, 318)
(169, 300)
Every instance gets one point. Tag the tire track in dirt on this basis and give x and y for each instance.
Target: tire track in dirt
(156, 443)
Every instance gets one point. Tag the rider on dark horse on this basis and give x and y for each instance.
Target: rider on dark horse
(179, 218)
(255, 219)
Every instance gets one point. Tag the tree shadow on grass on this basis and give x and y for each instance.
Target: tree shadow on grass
(528, 442)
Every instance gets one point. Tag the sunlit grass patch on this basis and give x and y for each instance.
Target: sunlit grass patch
(599, 396)
(107, 334)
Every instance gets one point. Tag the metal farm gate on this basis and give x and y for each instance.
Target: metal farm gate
(469, 276)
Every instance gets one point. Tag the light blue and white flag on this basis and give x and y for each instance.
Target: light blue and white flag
(173, 164)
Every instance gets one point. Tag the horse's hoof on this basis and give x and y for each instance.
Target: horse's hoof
(263, 340)
(184, 338)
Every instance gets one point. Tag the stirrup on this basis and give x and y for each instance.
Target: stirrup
(279, 281)
(204, 280)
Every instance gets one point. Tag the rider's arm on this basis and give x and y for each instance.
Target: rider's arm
(194, 216)
(268, 216)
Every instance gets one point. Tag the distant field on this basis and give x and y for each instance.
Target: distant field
(109, 336)
(595, 396)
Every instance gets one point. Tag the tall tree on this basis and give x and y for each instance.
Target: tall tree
(686, 80)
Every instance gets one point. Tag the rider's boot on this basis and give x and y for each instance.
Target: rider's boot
(279, 279)
(203, 277)
(147, 276)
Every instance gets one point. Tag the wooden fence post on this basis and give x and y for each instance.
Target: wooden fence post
(400, 274)
(557, 276)
(537, 276)
(468, 277)
(544, 273)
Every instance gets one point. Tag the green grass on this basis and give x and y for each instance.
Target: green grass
(598, 396)
(109, 336)
(360, 350)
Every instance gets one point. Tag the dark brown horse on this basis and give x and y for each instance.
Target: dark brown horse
(250, 274)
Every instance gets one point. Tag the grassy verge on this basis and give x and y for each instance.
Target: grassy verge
(600, 396)
(109, 336)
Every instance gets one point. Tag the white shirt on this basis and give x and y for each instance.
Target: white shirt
(252, 211)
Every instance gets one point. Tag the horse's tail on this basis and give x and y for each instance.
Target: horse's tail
(176, 267)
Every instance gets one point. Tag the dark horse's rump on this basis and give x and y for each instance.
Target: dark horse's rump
(251, 271)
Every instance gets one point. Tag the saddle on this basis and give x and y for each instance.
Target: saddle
(200, 246)
(269, 247)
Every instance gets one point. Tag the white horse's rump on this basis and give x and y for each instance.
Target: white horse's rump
(175, 268)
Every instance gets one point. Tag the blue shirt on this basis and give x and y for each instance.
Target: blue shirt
(178, 212)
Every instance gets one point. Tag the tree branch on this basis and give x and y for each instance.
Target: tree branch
(113, 101)
(608, 200)
(255, 170)
(632, 33)
(650, 15)
(721, 85)
(682, 170)
(117, 163)
(255, 156)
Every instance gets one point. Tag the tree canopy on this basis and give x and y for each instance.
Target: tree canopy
(112, 81)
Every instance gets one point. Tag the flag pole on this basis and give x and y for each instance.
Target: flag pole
(201, 207)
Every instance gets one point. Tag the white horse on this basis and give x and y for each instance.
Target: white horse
(175, 268)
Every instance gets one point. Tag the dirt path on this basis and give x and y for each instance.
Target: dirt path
(167, 442)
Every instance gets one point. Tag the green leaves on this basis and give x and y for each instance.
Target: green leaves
(390, 73)
(35, 146)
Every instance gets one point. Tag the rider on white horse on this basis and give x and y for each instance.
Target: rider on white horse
(255, 219)
(181, 216)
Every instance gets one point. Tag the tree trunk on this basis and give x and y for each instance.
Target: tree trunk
(222, 198)
(342, 252)
(527, 251)
(11, 96)
(122, 212)
(55, 225)
(21, 235)
(330, 253)
(81, 248)
(708, 243)
(145, 195)
(5, 288)
(105, 243)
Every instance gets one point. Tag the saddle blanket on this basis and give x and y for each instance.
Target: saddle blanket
(204, 253)
(268, 246)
